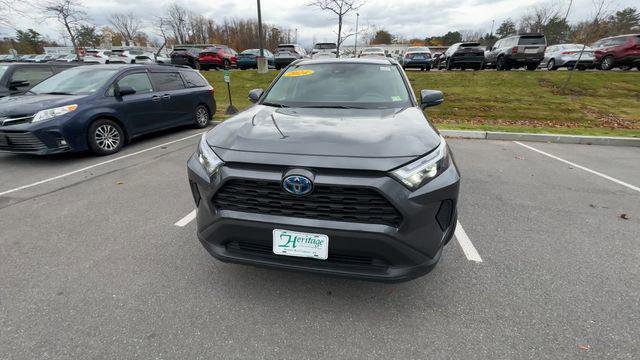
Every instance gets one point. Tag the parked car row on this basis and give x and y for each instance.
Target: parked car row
(96, 107)
(528, 51)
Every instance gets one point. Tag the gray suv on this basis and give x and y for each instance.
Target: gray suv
(526, 50)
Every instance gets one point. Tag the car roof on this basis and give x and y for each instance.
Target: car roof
(151, 67)
(375, 61)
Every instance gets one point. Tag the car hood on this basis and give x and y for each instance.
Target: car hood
(375, 139)
(31, 104)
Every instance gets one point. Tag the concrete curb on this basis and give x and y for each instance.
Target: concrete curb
(551, 138)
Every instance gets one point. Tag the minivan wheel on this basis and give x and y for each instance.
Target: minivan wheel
(105, 137)
(201, 116)
(606, 63)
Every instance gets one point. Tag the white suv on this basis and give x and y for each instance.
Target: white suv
(96, 56)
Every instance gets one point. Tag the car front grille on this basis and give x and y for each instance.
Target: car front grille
(326, 202)
(20, 141)
(21, 119)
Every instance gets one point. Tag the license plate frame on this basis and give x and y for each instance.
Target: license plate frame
(300, 244)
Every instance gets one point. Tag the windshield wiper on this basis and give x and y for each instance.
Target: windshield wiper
(57, 93)
(274, 104)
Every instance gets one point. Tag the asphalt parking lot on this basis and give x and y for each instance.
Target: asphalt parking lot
(93, 265)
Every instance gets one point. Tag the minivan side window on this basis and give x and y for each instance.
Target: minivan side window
(193, 79)
(166, 81)
(31, 74)
(139, 82)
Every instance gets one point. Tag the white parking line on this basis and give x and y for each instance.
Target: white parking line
(186, 220)
(95, 165)
(632, 187)
(467, 246)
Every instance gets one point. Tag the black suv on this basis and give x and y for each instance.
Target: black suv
(467, 55)
(18, 78)
(186, 56)
(525, 50)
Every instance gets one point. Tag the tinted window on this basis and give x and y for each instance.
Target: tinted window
(31, 74)
(193, 79)
(325, 46)
(167, 81)
(343, 84)
(617, 41)
(139, 82)
(528, 40)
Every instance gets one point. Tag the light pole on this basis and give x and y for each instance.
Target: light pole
(491, 33)
(355, 43)
(261, 61)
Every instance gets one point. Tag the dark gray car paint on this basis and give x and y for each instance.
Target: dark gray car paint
(343, 138)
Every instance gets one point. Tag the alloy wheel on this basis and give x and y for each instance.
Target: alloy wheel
(107, 137)
(202, 116)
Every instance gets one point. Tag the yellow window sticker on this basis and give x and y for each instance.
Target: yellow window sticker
(296, 73)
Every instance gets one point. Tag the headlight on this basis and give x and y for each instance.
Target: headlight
(424, 169)
(207, 158)
(51, 113)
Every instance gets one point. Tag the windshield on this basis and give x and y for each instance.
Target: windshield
(76, 81)
(325, 46)
(3, 69)
(250, 52)
(338, 85)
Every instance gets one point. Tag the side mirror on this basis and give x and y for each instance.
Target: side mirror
(430, 98)
(254, 95)
(125, 90)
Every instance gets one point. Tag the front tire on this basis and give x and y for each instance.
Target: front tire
(607, 63)
(105, 137)
(201, 116)
(501, 64)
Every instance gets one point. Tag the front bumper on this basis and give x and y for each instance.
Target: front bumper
(359, 250)
(45, 138)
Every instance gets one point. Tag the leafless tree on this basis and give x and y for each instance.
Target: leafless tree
(538, 18)
(340, 8)
(128, 25)
(178, 21)
(70, 14)
(161, 26)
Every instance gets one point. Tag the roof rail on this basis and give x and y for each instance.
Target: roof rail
(174, 65)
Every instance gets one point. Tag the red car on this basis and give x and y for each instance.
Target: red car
(218, 57)
(623, 51)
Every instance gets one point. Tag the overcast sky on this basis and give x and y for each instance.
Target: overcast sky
(408, 18)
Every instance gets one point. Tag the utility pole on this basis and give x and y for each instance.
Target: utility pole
(355, 43)
(261, 61)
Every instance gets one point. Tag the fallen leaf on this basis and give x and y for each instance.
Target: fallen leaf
(593, 206)
(120, 183)
(520, 158)
(625, 216)
(584, 347)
